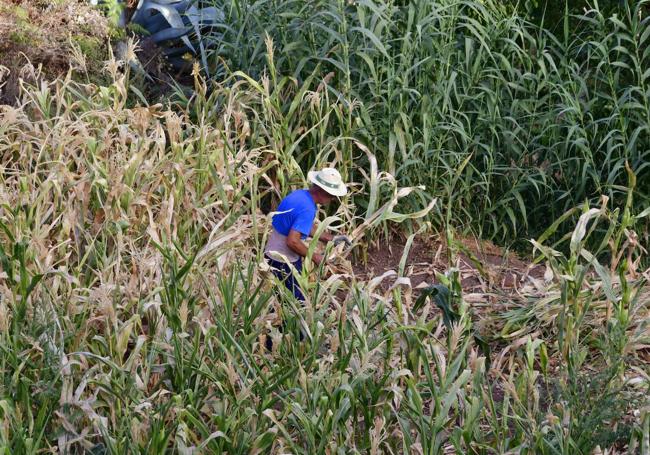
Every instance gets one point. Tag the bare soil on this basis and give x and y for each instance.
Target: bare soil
(483, 266)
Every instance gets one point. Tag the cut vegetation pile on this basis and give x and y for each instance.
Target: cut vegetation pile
(134, 300)
(52, 36)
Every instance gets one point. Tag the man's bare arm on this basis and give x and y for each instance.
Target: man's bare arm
(324, 237)
(298, 246)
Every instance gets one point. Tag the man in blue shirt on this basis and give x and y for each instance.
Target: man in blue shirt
(294, 222)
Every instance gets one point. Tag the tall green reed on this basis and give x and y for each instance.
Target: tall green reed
(540, 122)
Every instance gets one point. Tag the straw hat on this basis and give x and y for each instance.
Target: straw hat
(330, 180)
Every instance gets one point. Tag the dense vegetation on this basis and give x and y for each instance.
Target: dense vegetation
(134, 298)
(510, 124)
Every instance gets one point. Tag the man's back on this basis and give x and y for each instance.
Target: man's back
(296, 211)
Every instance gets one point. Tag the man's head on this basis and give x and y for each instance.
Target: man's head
(321, 197)
(326, 185)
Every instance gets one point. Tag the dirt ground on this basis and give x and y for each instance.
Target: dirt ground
(483, 266)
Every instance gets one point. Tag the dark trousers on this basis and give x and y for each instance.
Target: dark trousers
(284, 273)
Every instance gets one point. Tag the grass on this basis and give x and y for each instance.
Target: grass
(91, 47)
(134, 300)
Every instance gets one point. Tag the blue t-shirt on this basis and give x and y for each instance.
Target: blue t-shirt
(299, 212)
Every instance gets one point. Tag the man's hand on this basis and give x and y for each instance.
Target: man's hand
(342, 239)
(318, 258)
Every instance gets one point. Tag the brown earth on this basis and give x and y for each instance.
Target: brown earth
(483, 266)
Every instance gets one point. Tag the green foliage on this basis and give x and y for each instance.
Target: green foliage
(92, 48)
(134, 300)
(510, 125)
(550, 14)
(113, 9)
(25, 33)
(149, 338)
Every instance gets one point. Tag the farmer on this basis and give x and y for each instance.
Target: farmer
(294, 221)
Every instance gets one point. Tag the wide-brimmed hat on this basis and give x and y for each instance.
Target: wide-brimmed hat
(330, 180)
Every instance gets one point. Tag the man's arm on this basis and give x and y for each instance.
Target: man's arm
(298, 246)
(324, 237)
